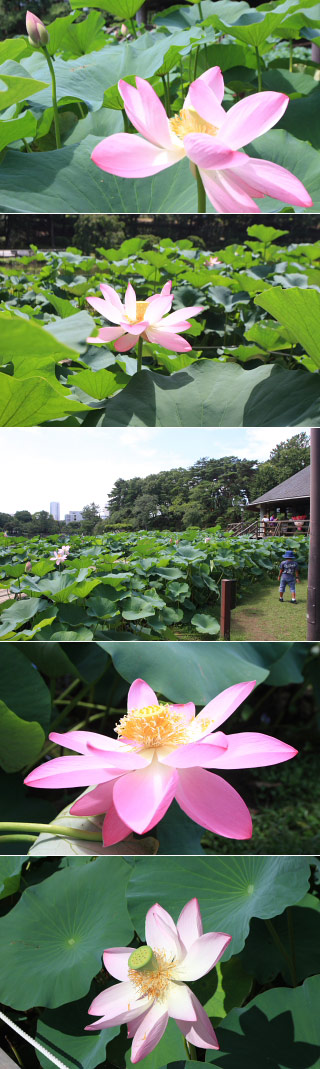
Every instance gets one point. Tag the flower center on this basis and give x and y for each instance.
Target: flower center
(141, 307)
(153, 726)
(153, 983)
(189, 122)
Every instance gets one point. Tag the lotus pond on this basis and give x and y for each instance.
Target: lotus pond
(254, 348)
(152, 584)
(263, 50)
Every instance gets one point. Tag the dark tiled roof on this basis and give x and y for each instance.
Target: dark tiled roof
(295, 487)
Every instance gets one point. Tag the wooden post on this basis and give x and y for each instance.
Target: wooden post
(228, 602)
(313, 614)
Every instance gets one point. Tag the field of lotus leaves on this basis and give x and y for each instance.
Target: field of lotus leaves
(47, 147)
(254, 357)
(156, 585)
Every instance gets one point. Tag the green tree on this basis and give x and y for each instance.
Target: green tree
(285, 460)
(90, 516)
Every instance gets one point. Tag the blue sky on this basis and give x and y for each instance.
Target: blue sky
(77, 467)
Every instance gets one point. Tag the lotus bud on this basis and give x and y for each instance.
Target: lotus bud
(37, 32)
(124, 29)
(28, 566)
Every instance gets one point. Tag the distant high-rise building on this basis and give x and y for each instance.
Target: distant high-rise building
(55, 509)
(73, 517)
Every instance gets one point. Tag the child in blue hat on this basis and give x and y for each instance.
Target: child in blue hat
(288, 573)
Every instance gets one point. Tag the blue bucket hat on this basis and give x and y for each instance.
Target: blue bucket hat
(289, 553)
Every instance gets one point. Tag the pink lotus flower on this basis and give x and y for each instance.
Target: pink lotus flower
(153, 987)
(144, 319)
(37, 32)
(162, 752)
(209, 136)
(212, 262)
(59, 555)
(28, 566)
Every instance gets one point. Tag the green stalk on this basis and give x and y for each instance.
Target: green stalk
(196, 63)
(201, 194)
(18, 838)
(54, 96)
(125, 121)
(165, 89)
(133, 29)
(51, 829)
(200, 10)
(168, 92)
(190, 1051)
(291, 55)
(259, 70)
(139, 353)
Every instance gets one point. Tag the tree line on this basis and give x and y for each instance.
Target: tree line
(88, 232)
(209, 492)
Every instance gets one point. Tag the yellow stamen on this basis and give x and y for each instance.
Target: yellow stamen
(154, 983)
(141, 307)
(189, 122)
(154, 726)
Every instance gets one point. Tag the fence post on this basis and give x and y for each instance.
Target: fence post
(313, 613)
(228, 602)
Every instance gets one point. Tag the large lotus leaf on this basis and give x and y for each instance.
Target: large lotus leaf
(22, 687)
(33, 348)
(279, 1029)
(19, 613)
(190, 671)
(177, 17)
(72, 331)
(299, 312)
(14, 129)
(32, 401)
(122, 9)
(88, 77)
(230, 890)
(19, 87)
(56, 934)
(10, 873)
(21, 741)
(50, 845)
(253, 27)
(210, 394)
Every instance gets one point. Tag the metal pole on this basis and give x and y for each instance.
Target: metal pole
(313, 613)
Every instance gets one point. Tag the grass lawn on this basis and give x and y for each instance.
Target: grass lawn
(260, 616)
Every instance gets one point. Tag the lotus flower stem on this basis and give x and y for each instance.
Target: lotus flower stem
(259, 70)
(54, 96)
(200, 10)
(139, 354)
(18, 838)
(132, 27)
(201, 194)
(291, 55)
(52, 829)
(190, 1051)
